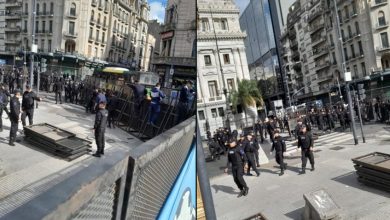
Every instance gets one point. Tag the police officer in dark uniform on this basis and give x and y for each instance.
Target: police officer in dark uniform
(28, 105)
(297, 129)
(58, 88)
(100, 128)
(14, 116)
(259, 128)
(257, 146)
(250, 151)
(139, 93)
(236, 157)
(306, 142)
(279, 146)
(215, 149)
(271, 128)
(112, 103)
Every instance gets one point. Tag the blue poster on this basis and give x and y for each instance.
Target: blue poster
(181, 202)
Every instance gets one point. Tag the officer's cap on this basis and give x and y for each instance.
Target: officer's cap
(16, 91)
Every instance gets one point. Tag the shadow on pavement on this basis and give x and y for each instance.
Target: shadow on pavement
(351, 179)
(296, 214)
(225, 189)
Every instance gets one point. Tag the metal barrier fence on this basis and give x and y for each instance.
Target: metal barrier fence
(123, 185)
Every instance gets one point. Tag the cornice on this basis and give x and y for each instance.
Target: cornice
(223, 36)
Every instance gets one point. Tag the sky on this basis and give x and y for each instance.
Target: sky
(157, 10)
(242, 4)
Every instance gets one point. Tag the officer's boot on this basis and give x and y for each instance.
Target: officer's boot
(97, 154)
(11, 141)
(241, 193)
(303, 170)
(246, 190)
(281, 173)
(312, 167)
(102, 151)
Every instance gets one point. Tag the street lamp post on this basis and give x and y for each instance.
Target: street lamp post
(345, 73)
(225, 92)
(32, 44)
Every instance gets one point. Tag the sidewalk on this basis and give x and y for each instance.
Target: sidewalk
(26, 171)
(281, 197)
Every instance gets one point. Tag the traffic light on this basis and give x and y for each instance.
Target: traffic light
(361, 91)
(43, 65)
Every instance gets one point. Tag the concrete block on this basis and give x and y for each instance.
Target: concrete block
(320, 206)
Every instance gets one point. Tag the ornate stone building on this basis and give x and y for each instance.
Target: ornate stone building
(221, 62)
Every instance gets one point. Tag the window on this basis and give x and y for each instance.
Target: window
(104, 21)
(214, 112)
(345, 53)
(103, 37)
(230, 84)
(97, 35)
(51, 8)
(224, 24)
(353, 51)
(221, 112)
(346, 11)
(357, 28)
(71, 27)
(205, 25)
(207, 60)
(73, 9)
(226, 58)
(355, 71)
(334, 58)
(37, 10)
(349, 31)
(381, 19)
(44, 8)
(360, 48)
(385, 40)
(26, 8)
(43, 26)
(331, 39)
(42, 45)
(90, 33)
(36, 26)
(96, 51)
(92, 15)
(101, 53)
(51, 26)
(342, 35)
(25, 26)
(213, 89)
(201, 115)
(89, 50)
(49, 45)
(340, 17)
(98, 19)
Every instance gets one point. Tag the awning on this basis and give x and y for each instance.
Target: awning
(117, 70)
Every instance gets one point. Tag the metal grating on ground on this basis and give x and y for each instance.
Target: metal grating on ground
(101, 207)
(156, 179)
(337, 148)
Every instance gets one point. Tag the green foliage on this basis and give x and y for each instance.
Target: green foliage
(247, 95)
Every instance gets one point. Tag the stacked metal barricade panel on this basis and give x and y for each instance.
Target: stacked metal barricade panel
(374, 170)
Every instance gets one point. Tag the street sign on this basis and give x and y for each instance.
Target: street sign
(348, 76)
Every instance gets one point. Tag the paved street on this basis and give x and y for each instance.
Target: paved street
(282, 197)
(26, 171)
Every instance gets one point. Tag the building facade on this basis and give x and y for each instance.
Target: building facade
(177, 59)
(221, 62)
(75, 33)
(312, 46)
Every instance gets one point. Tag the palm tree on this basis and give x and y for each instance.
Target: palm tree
(249, 97)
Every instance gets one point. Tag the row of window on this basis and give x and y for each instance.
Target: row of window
(208, 62)
(218, 24)
(42, 46)
(214, 114)
(213, 87)
(44, 8)
(42, 28)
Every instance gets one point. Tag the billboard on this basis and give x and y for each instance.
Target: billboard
(181, 202)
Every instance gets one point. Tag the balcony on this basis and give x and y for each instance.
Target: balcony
(100, 7)
(24, 31)
(97, 40)
(104, 27)
(325, 78)
(314, 15)
(13, 16)
(292, 34)
(353, 14)
(381, 25)
(383, 48)
(92, 21)
(70, 35)
(98, 24)
(90, 39)
(72, 16)
(316, 28)
(321, 66)
(177, 61)
(320, 52)
(12, 41)
(214, 99)
(106, 9)
(294, 45)
(317, 41)
(12, 29)
(295, 56)
(168, 27)
(14, 3)
(94, 2)
(48, 32)
(377, 3)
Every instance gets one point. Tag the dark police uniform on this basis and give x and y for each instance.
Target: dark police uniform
(3, 105)
(305, 141)
(237, 158)
(58, 88)
(28, 106)
(259, 128)
(250, 150)
(279, 146)
(100, 129)
(14, 118)
(112, 103)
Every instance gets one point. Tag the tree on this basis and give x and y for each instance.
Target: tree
(249, 97)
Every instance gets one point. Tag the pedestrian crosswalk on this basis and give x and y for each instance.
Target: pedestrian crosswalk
(323, 140)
